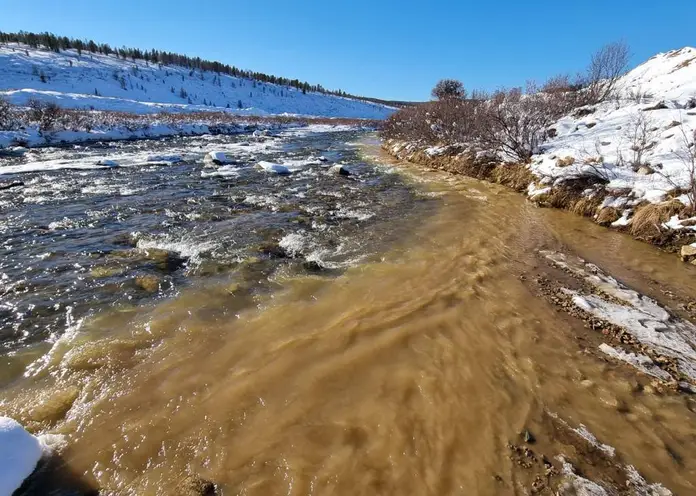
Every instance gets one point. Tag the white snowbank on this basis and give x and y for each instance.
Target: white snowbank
(641, 316)
(19, 454)
(638, 141)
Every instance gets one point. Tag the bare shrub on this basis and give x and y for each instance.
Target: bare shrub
(449, 88)
(607, 65)
(45, 114)
(686, 153)
(8, 119)
(642, 136)
(515, 124)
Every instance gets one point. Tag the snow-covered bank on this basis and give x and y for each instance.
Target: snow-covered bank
(19, 453)
(628, 162)
(641, 142)
(107, 82)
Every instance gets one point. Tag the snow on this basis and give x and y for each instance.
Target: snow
(642, 317)
(106, 82)
(217, 158)
(274, 168)
(604, 142)
(19, 454)
(640, 362)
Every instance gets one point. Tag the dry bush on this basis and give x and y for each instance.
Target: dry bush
(8, 119)
(515, 124)
(642, 136)
(607, 65)
(649, 217)
(44, 114)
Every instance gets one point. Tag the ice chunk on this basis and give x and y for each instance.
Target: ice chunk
(274, 168)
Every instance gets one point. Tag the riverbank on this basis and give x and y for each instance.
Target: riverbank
(668, 225)
(46, 125)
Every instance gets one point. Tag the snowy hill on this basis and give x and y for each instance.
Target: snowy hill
(106, 82)
(641, 142)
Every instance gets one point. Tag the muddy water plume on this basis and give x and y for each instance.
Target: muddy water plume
(410, 373)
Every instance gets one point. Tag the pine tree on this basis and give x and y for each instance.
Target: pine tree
(239, 104)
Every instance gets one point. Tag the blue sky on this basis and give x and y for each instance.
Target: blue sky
(381, 48)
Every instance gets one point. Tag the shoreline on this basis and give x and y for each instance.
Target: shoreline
(14, 143)
(569, 196)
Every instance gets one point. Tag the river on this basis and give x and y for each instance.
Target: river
(393, 331)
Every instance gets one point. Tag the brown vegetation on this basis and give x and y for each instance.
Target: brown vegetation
(649, 217)
(511, 123)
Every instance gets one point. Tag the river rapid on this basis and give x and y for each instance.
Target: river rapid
(392, 331)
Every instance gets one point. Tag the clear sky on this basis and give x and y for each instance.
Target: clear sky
(382, 48)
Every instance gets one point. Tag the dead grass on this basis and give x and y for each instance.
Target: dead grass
(607, 215)
(565, 161)
(649, 217)
(514, 176)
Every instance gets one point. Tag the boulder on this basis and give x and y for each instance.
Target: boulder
(15, 151)
(274, 168)
(688, 253)
(149, 283)
(19, 454)
(322, 158)
(339, 170)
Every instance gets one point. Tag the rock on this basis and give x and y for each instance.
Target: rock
(15, 151)
(107, 163)
(688, 253)
(272, 249)
(13, 184)
(339, 170)
(192, 485)
(19, 454)
(167, 261)
(528, 437)
(215, 158)
(322, 158)
(645, 170)
(274, 168)
(149, 283)
(104, 272)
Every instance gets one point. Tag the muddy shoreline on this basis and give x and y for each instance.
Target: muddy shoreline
(567, 196)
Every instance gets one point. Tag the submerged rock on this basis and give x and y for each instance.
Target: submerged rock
(339, 170)
(192, 485)
(19, 454)
(149, 283)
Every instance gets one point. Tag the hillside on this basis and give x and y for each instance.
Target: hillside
(641, 141)
(107, 82)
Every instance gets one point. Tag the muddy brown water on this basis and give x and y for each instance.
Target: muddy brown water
(406, 375)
